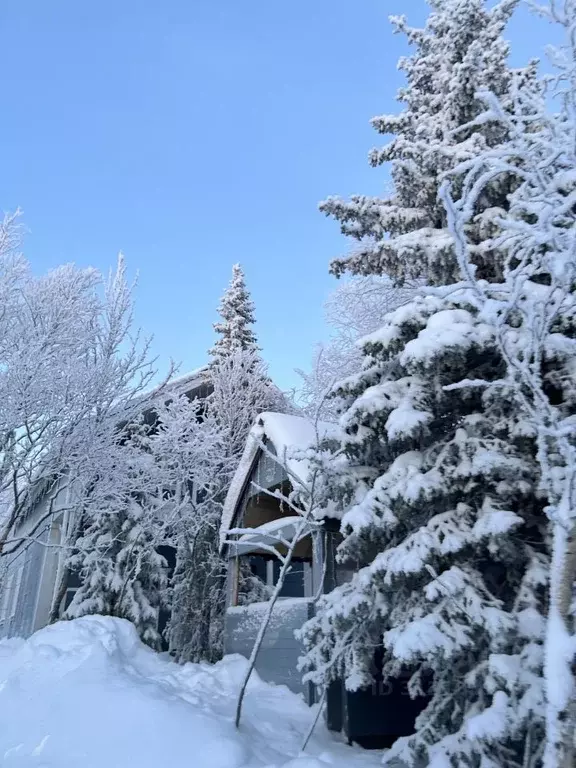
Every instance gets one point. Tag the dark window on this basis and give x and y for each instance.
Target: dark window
(293, 581)
(258, 567)
(73, 581)
(267, 569)
(169, 555)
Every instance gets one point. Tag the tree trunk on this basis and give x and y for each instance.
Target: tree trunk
(266, 620)
(62, 583)
(560, 653)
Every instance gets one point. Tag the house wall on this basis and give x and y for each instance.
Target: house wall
(20, 588)
(28, 575)
(278, 657)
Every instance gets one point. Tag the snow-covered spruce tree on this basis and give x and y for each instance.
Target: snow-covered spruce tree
(437, 490)
(241, 389)
(185, 447)
(437, 484)
(237, 312)
(120, 570)
(532, 314)
(405, 235)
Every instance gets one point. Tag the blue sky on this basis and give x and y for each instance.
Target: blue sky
(192, 134)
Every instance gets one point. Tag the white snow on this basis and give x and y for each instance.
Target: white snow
(87, 694)
(447, 329)
(253, 443)
(186, 382)
(284, 605)
(491, 723)
(417, 310)
(283, 529)
(283, 526)
(292, 434)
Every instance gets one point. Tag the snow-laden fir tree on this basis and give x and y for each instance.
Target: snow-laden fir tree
(438, 493)
(405, 235)
(241, 390)
(236, 309)
(437, 484)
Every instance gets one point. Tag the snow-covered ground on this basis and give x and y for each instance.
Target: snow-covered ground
(88, 694)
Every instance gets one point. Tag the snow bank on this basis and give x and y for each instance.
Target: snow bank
(88, 694)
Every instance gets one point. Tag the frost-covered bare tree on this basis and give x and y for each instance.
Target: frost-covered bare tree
(241, 390)
(71, 368)
(186, 447)
(532, 315)
(160, 493)
(356, 308)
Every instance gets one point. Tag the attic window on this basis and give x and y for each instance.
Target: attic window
(268, 474)
(258, 505)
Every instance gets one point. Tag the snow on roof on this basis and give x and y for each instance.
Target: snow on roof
(271, 533)
(192, 378)
(184, 383)
(286, 434)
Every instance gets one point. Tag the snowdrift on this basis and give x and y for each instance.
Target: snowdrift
(87, 694)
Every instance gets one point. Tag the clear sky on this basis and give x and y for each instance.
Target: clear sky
(192, 134)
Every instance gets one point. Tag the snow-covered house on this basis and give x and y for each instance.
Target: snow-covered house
(32, 565)
(268, 466)
(254, 519)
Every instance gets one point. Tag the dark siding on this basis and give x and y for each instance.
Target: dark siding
(278, 656)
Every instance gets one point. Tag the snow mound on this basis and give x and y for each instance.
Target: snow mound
(87, 694)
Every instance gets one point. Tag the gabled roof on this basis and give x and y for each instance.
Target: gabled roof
(187, 383)
(286, 434)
